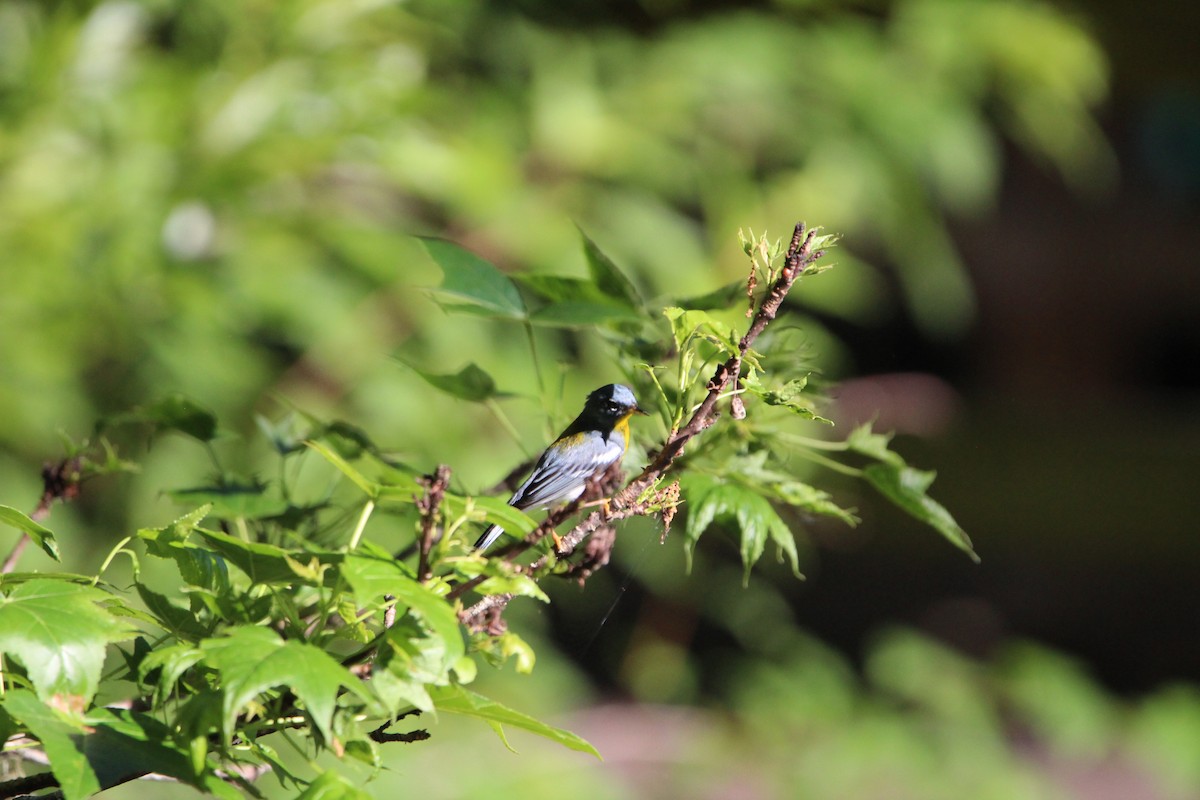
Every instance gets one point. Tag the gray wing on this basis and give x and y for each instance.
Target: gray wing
(560, 474)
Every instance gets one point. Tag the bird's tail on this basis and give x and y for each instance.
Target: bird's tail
(490, 535)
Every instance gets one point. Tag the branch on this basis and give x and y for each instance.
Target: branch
(631, 500)
(428, 505)
(60, 481)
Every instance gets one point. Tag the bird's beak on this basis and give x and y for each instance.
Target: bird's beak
(639, 412)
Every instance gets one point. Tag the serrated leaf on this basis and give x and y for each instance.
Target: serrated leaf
(790, 395)
(607, 276)
(370, 488)
(40, 535)
(173, 660)
(372, 578)
(457, 700)
(61, 739)
(253, 659)
(263, 563)
(686, 324)
(470, 383)
(864, 441)
(57, 630)
(179, 622)
(409, 661)
(906, 487)
(711, 498)
(468, 278)
(759, 522)
(705, 499)
(178, 413)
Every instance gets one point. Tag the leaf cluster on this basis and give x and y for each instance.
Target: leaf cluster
(290, 628)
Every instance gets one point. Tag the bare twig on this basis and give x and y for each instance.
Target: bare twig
(428, 506)
(381, 735)
(629, 501)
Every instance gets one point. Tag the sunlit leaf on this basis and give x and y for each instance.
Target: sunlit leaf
(40, 535)
(457, 700)
(253, 659)
(790, 395)
(61, 739)
(906, 486)
(59, 633)
(866, 442)
(492, 509)
(371, 578)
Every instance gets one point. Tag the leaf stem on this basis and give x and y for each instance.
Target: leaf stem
(368, 509)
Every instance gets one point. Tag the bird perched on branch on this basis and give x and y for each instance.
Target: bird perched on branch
(592, 443)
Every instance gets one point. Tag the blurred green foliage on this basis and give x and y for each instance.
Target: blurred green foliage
(187, 187)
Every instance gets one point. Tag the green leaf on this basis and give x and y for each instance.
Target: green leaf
(752, 470)
(408, 661)
(457, 700)
(331, 786)
(253, 659)
(501, 579)
(123, 744)
(561, 288)
(262, 563)
(470, 383)
(467, 277)
(906, 486)
(711, 498)
(578, 314)
(790, 395)
(864, 441)
(41, 536)
(178, 413)
(759, 522)
(369, 488)
(494, 509)
(173, 661)
(57, 630)
(611, 281)
(371, 578)
(687, 324)
(179, 622)
(61, 738)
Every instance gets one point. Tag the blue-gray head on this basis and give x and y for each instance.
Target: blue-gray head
(614, 401)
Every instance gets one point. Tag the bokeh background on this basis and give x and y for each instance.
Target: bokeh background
(218, 199)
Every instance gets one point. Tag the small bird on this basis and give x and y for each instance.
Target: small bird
(592, 443)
